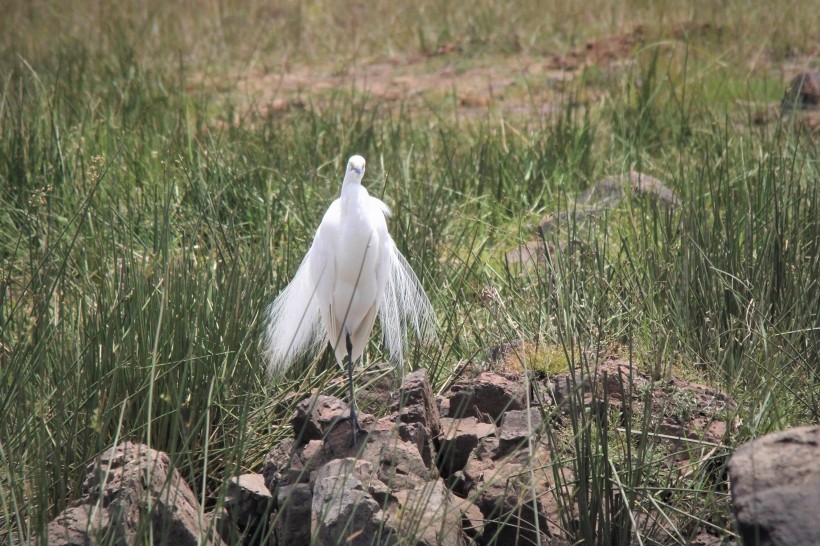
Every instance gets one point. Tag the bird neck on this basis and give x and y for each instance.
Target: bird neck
(352, 186)
(351, 179)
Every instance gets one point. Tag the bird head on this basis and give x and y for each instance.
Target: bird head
(356, 164)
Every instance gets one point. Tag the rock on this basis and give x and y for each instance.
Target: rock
(803, 92)
(291, 524)
(681, 411)
(430, 514)
(472, 520)
(489, 394)
(609, 378)
(342, 510)
(590, 204)
(443, 404)
(295, 460)
(248, 498)
(516, 427)
(459, 438)
(246, 514)
(399, 463)
(345, 507)
(512, 503)
(693, 411)
(416, 402)
(286, 464)
(776, 488)
(316, 416)
(75, 526)
(115, 500)
(418, 414)
(609, 191)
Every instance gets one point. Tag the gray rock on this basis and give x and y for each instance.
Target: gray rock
(343, 511)
(489, 394)
(316, 416)
(291, 524)
(384, 490)
(513, 492)
(115, 501)
(416, 403)
(776, 488)
(472, 520)
(248, 498)
(245, 517)
(516, 427)
(803, 92)
(399, 463)
(429, 514)
(607, 192)
(459, 438)
(591, 204)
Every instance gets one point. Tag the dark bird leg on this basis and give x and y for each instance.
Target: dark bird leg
(354, 423)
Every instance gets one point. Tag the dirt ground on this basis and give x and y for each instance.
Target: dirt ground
(518, 84)
(453, 82)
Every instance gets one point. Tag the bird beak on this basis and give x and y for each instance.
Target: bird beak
(357, 170)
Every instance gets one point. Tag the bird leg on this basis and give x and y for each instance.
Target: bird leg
(354, 423)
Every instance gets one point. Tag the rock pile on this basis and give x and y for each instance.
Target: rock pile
(413, 473)
(471, 467)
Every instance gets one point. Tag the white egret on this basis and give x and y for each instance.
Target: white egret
(352, 272)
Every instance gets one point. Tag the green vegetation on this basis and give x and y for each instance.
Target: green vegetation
(146, 221)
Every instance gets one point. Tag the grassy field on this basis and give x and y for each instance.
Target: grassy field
(161, 179)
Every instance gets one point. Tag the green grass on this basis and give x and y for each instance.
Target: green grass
(142, 236)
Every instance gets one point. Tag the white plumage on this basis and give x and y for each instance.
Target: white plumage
(352, 272)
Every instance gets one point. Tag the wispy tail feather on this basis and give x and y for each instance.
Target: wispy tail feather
(404, 304)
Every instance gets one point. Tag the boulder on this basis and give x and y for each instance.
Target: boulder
(513, 492)
(430, 514)
(517, 427)
(129, 494)
(291, 524)
(245, 517)
(591, 204)
(776, 488)
(803, 92)
(416, 403)
(458, 440)
(488, 394)
(343, 510)
(317, 415)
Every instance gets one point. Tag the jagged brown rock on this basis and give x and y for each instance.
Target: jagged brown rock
(489, 394)
(803, 92)
(342, 509)
(458, 440)
(291, 523)
(117, 492)
(317, 415)
(514, 492)
(245, 516)
(517, 427)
